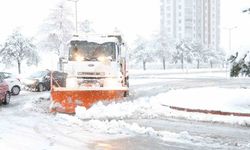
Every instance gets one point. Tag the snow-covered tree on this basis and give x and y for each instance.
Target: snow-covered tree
(198, 53)
(85, 26)
(17, 49)
(239, 66)
(33, 58)
(190, 51)
(184, 52)
(214, 56)
(142, 51)
(58, 29)
(164, 47)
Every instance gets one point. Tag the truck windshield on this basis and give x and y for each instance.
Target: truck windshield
(91, 51)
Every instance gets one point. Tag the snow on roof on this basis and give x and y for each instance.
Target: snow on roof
(96, 38)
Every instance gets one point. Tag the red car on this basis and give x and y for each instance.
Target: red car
(4, 92)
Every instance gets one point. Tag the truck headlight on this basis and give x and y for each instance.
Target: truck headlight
(101, 58)
(79, 58)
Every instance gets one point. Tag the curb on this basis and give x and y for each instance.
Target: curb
(214, 112)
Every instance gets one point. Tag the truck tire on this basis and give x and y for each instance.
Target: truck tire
(126, 94)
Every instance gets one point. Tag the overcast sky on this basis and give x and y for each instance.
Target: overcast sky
(132, 17)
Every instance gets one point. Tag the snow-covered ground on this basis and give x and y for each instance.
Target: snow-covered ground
(142, 121)
(217, 99)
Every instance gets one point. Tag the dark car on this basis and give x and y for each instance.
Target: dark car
(4, 92)
(40, 80)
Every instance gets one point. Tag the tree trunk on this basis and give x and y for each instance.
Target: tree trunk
(198, 64)
(164, 63)
(144, 65)
(19, 66)
(211, 64)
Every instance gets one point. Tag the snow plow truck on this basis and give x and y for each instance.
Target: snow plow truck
(96, 70)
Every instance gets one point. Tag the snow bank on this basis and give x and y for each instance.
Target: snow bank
(229, 100)
(123, 129)
(232, 100)
(174, 71)
(37, 102)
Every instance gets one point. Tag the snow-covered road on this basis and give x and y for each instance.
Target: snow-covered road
(135, 123)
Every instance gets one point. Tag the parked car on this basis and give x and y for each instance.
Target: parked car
(4, 92)
(12, 81)
(40, 80)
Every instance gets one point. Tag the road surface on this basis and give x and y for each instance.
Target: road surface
(25, 127)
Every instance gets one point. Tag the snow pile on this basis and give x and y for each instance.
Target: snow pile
(39, 103)
(122, 128)
(179, 73)
(140, 108)
(231, 100)
(228, 100)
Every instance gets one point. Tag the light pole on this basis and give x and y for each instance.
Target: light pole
(229, 36)
(229, 44)
(75, 1)
(230, 30)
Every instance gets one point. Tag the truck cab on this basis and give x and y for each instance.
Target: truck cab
(95, 61)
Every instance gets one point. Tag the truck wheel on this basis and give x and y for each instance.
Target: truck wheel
(127, 81)
(6, 98)
(126, 94)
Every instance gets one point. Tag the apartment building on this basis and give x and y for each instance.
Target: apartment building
(196, 20)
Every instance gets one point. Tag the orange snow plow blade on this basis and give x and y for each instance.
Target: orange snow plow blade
(65, 100)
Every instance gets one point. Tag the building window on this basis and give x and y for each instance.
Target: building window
(179, 6)
(179, 21)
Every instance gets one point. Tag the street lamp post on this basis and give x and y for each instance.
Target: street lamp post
(229, 44)
(75, 1)
(229, 36)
